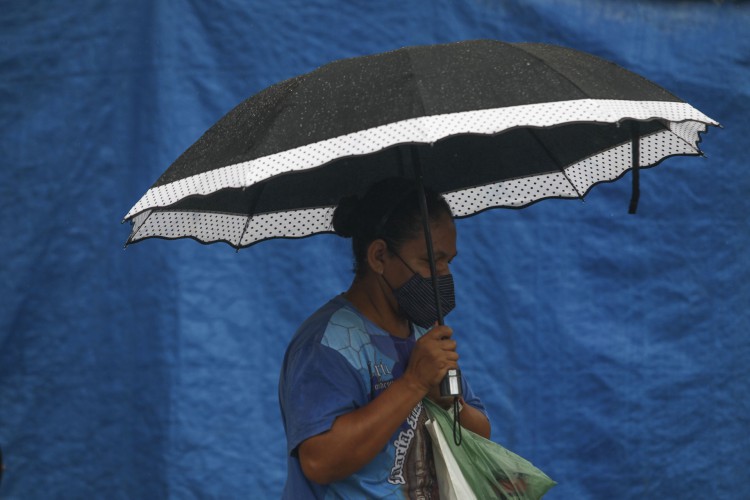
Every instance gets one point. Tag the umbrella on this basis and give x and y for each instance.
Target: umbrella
(492, 124)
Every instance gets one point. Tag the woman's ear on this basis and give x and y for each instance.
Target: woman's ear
(377, 251)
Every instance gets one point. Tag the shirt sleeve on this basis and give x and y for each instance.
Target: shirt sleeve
(320, 385)
(471, 398)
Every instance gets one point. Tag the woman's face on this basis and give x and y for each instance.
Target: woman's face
(414, 253)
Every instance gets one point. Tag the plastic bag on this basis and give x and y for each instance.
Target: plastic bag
(488, 469)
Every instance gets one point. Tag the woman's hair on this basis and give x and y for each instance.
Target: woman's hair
(390, 211)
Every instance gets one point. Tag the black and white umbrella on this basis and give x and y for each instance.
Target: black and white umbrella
(492, 124)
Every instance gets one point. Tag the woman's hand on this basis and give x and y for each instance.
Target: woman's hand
(443, 347)
(433, 355)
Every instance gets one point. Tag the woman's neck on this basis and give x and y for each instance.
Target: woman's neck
(369, 296)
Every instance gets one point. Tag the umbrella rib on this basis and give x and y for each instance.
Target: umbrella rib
(554, 160)
(135, 230)
(539, 59)
(417, 85)
(251, 209)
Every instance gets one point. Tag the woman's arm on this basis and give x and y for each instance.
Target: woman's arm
(470, 417)
(358, 436)
(475, 421)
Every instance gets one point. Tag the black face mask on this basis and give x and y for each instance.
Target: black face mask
(416, 298)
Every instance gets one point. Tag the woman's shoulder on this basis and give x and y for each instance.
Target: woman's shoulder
(336, 328)
(345, 327)
(333, 320)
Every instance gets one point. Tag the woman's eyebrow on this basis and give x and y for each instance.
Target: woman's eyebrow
(444, 255)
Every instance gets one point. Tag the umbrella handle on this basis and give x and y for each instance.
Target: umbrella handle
(636, 159)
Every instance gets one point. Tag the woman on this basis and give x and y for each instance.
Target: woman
(357, 370)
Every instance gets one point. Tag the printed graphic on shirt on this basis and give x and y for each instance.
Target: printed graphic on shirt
(381, 375)
(349, 339)
(413, 465)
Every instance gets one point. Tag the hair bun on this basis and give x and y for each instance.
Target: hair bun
(346, 216)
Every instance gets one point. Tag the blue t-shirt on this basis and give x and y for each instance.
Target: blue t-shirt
(339, 361)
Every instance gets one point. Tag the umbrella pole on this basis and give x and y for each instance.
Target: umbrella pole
(427, 232)
(451, 383)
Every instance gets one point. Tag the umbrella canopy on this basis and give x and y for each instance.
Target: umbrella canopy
(492, 124)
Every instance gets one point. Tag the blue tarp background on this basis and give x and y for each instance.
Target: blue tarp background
(612, 350)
